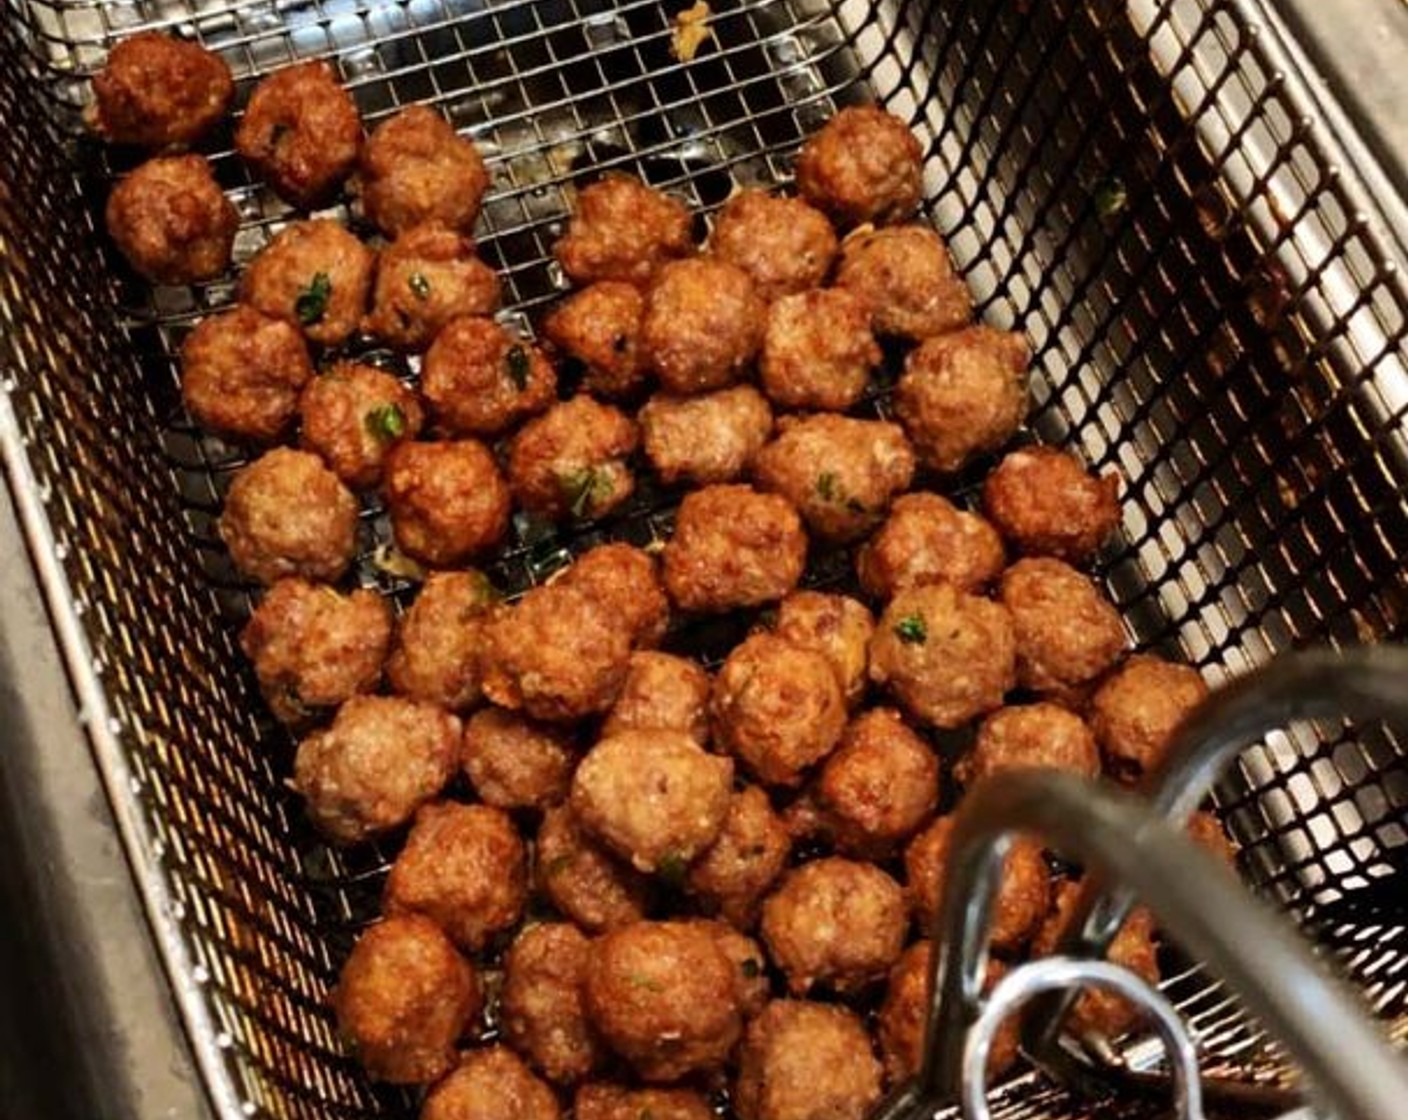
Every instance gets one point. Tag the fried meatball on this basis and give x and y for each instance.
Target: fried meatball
(571, 461)
(655, 797)
(1207, 830)
(425, 278)
(709, 438)
(806, 1061)
(1046, 504)
(777, 707)
(403, 1000)
(1136, 711)
(463, 867)
(1023, 894)
(541, 1007)
(515, 763)
(749, 963)
(158, 92)
(1030, 736)
(835, 922)
(626, 581)
(600, 327)
(1098, 1011)
(622, 230)
(447, 500)
(241, 372)
(1067, 632)
(664, 692)
(436, 656)
(664, 997)
(785, 245)
(750, 853)
(906, 279)
(314, 647)
(603, 1101)
(171, 220)
(818, 350)
(927, 539)
(702, 325)
(315, 275)
(480, 380)
(491, 1084)
(353, 415)
(963, 394)
(300, 132)
(947, 656)
(288, 515)
(864, 165)
(733, 547)
(835, 626)
(415, 168)
(595, 890)
(558, 654)
(380, 761)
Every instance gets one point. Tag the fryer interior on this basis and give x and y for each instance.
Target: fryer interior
(1136, 187)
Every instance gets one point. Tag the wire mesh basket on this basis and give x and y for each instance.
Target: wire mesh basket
(1144, 189)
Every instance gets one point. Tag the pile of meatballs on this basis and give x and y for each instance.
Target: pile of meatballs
(731, 874)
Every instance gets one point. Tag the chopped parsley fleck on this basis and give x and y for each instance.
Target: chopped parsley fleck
(751, 969)
(312, 302)
(671, 869)
(911, 630)
(650, 984)
(584, 489)
(386, 422)
(419, 285)
(827, 488)
(1111, 198)
(517, 363)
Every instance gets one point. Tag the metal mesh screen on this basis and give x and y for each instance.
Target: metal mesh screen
(1136, 186)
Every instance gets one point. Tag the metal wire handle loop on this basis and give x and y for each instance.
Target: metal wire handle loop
(1067, 974)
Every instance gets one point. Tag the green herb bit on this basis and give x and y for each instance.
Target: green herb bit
(751, 969)
(584, 488)
(671, 869)
(385, 423)
(419, 285)
(826, 486)
(650, 984)
(911, 630)
(1111, 198)
(517, 363)
(312, 302)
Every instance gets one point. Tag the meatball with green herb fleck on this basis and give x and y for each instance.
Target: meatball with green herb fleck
(818, 350)
(156, 91)
(541, 1007)
(1047, 504)
(171, 220)
(807, 1061)
(315, 275)
(490, 1084)
(415, 169)
(863, 165)
(904, 275)
(480, 380)
(784, 244)
(571, 462)
(353, 415)
(702, 326)
(625, 580)
(427, 277)
(712, 437)
(600, 327)
(581, 879)
(749, 964)
(1067, 632)
(447, 500)
(621, 229)
(438, 640)
(603, 1100)
(926, 539)
(517, 763)
(735, 873)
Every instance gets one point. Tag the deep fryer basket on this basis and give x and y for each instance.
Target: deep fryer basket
(1147, 190)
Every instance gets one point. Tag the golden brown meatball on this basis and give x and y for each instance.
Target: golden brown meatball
(664, 997)
(558, 654)
(622, 230)
(1046, 504)
(835, 626)
(864, 165)
(1067, 632)
(946, 655)
(541, 1006)
(380, 761)
(905, 277)
(840, 473)
(835, 922)
(1023, 895)
(655, 798)
(625, 580)
(353, 415)
(1207, 830)
(171, 220)
(241, 372)
(578, 877)
(702, 325)
(490, 1084)
(746, 859)
(600, 327)
(927, 539)
(403, 1000)
(515, 763)
(604, 1101)
(661, 691)
(818, 350)
(571, 461)
(806, 1061)
(436, 657)
(1136, 711)
(480, 380)
(463, 867)
(709, 438)
(447, 500)
(415, 168)
(733, 547)
(749, 964)
(1028, 736)
(315, 275)
(288, 515)
(785, 245)
(157, 92)
(777, 707)
(427, 277)
(300, 132)
(314, 647)
(963, 394)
